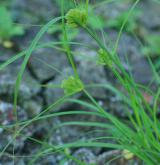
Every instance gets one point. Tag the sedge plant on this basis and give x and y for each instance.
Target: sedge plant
(139, 136)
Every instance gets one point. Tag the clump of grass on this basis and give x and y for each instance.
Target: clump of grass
(139, 137)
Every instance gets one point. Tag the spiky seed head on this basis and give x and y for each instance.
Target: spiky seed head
(76, 17)
(104, 58)
(72, 85)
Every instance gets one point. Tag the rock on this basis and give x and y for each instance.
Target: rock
(150, 17)
(8, 160)
(129, 49)
(113, 9)
(138, 62)
(107, 156)
(84, 155)
(33, 106)
(90, 72)
(113, 158)
(7, 85)
(5, 54)
(47, 159)
(43, 62)
(7, 118)
(33, 11)
(29, 88)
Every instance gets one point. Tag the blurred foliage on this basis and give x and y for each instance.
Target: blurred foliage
(152, 48)
(95, 21)
(5, 2)
(68, 4)
(153, 45)
(7, 28)
(57, 28)
(71, 33)
(131, 24)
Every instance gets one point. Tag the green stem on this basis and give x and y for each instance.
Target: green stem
(66, 46)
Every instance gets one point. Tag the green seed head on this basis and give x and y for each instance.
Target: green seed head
(104, 58)
(76, 17)
(72, 85)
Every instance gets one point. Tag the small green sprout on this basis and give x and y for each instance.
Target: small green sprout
(104, 58)
(72, 85)
(76, 17)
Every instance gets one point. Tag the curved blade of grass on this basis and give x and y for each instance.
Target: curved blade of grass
(89, 144)
(83, 103)
(86, 124)
(42, 117)
(123, 25)
(49, 44)
(27, 56)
